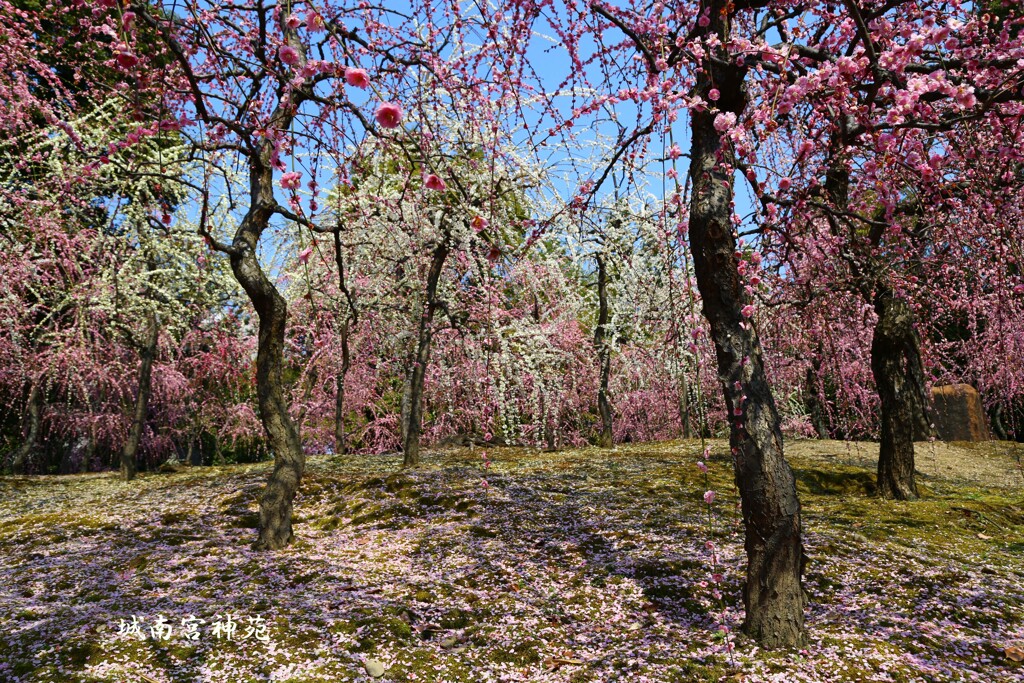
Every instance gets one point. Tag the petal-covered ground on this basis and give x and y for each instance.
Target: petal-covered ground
(584, 565)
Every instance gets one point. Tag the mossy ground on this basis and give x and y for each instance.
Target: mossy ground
(584, 565)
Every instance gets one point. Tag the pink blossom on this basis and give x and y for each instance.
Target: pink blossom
(357, 78)
(292, 21)
(479, 223)
(785, 184)
(289, 55)
(747, 311)
(725, 121)
(125, 58)
(717, 578)
(314, 22)
(433, 182)
(304, 254)
(291, 181)
(709, 497)
(389, 115)
(714, 94)
(702, 467)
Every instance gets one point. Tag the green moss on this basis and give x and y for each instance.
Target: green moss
(456, 618)
(522, 654)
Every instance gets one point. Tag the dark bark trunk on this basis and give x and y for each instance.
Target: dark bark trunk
(815, 406)
(418, 371)
(684, 406)
(895, 362)
(34, 408)
(340, 445)
(895, 345)
(275, 516)
(289, 461)
(604, 355)
(998, 428)
(147, 354)
(90, 450)
(773, 596)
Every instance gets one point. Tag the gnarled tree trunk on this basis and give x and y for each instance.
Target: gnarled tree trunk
(604, 355)
(147, 354)
(773, 596)
(34, 408)
(896, 366)
(289, 460)
(418, 371)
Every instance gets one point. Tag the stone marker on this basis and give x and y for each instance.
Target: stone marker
(958, 413)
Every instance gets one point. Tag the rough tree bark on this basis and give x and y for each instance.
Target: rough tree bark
(147, 354)
(418, 371)
(289, 461)
(896, 366)
(21, 457)
(604, 354)
(773, 596)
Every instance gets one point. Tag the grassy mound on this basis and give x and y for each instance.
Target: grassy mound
(584, 565)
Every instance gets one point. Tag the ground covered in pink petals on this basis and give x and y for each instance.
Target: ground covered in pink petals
(584, 565)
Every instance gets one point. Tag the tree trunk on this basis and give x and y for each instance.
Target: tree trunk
(684, 406)
(604, 355)
(814, 401)
(895, 364)
(773, 596)
(352, 318)
(147, 354)
(34, 408)
(418, 371)
(340, 445)
(289, 461)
